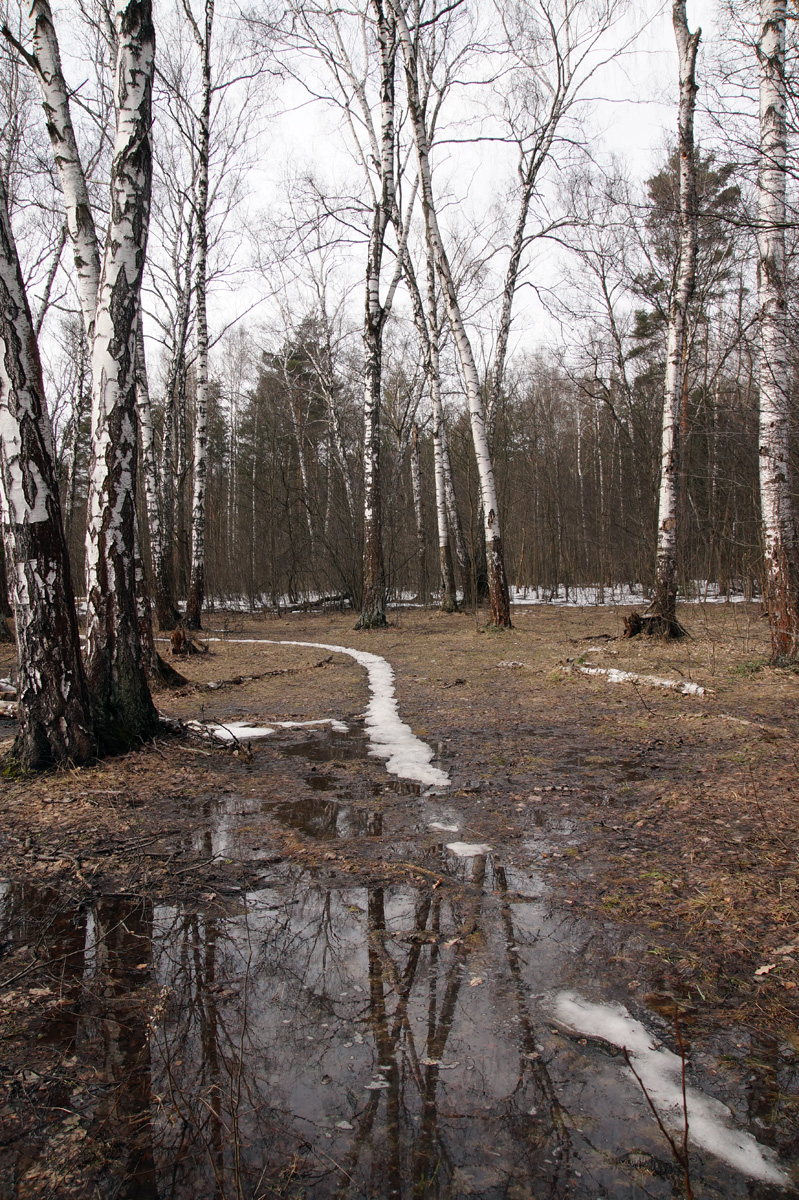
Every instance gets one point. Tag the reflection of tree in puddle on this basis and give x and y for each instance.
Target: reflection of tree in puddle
(339, 1043)
(340, 1039)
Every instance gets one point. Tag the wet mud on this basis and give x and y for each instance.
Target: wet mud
(321, 980)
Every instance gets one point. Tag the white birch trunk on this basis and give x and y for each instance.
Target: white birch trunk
(197, 578)
(448, 592)
(55, 101)
(664, 604)
(117, 675)
(779, 523)
(497, 582)
(152, 500)
(373, 604)
(53, 699)
(418, 510)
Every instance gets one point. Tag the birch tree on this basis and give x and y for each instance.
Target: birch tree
(664, 604)
(776, 500)
(196, 594)
(115, 666)
(45, 61)
(497, 581)
(53, 702)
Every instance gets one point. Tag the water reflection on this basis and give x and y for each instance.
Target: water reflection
(346, 1043)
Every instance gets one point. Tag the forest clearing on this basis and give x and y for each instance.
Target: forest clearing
(399, 600)
(277, 968)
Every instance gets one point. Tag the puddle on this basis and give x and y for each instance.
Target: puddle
(329, 746)
(361, 1043)
(326, 818)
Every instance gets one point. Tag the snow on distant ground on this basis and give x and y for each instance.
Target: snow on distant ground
(700, 591)
(710, 1123)
(407, 756)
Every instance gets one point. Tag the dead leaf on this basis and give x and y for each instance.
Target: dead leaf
(764, 970)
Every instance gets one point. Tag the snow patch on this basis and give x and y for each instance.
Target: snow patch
(468, 849)
(336, 726)
(710, 1123)
(240, 731)
(442, 826)
(406, 755)
(614, 675)
(233, 731)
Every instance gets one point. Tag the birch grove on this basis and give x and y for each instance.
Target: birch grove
(452, 325)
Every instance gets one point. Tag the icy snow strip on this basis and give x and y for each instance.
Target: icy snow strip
(407, 756)
(445, 828)
(710, 1123)
(468, 849)
(233, 731)
(240, 731)
(613, 675)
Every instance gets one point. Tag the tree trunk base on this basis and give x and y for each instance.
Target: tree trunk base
(448, 605)
(168, 618)
(653, 625)
(163, 672)
(372, 620)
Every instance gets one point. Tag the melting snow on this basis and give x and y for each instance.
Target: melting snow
(407, 756)
(233, 731)
(710, 1123)
(446, 828)
(240, 731)
(613, 675)
(468, 849)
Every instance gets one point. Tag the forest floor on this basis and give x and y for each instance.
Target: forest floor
(673, 818)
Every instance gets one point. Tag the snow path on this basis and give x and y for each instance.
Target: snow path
(614, 675)
(710, 1123)
(406, 755)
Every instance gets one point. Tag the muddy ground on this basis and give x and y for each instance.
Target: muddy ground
(668, 823)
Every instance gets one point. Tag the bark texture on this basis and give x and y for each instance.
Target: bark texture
(778, 517)
(6, 632)
(664, 604)
(115, 667)
(53, 702)
(497, 580)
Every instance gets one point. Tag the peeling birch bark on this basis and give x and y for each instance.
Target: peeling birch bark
(196, 595)
(776, 501)
(664, 603)
(115, 667)
(53, 700)
(497, 581)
